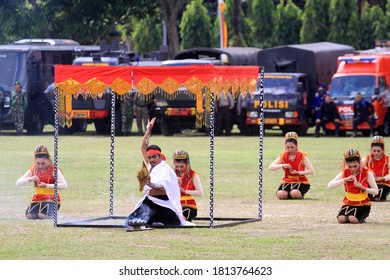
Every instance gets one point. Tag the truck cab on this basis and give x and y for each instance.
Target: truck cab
(302, 67)
(32, 61)
(85, 109)
(366, 73)
(284, 105)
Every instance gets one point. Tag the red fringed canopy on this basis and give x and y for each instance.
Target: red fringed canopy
(71, 80)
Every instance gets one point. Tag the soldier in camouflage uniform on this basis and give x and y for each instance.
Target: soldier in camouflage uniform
(142, 111)
(127, 114)
(19, 104)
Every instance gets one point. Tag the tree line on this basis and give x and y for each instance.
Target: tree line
(145, 25)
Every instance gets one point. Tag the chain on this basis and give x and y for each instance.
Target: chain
(112, 153)
(211, 159)
(261, 144)
(56, 123)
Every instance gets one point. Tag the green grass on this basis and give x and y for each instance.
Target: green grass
(290, 230)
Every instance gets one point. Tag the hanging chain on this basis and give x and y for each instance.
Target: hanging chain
(56, 123)
(211, 159)
(261, 144)
(112, 153)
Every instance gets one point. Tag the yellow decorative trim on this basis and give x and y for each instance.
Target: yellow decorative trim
(145, 86)
(69, 86)
(170, 85)
(194, 85)
(120, 86)
(95, 86)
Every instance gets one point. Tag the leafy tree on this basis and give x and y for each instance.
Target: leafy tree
(372, 26)
(85, 21)
(262, 17)
(234, 23)
(387, 20)
(147, 35)
(315, 21)
(170, 10)
(195, 26)
(287, 23)
(344, 23)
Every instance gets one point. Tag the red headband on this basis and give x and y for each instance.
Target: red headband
(155, 152)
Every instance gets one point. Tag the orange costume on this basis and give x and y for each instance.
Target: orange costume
(296, 164)
(353, 195)
(294, 181)
(44, 194)
(188, 184)
(380, 168)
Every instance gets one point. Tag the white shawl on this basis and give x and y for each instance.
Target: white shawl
(163, 174)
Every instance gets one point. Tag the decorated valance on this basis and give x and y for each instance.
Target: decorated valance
(94, 80)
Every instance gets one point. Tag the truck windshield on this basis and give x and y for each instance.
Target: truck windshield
(9, 62)
(348, 86)
(276, 85)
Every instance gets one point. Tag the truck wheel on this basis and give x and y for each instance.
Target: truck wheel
(35, 128)
(80, 125)
(166, 128)
(66, 130)
(102, 126)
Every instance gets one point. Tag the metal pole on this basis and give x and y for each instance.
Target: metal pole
(112, 153)
(261, 143)
(56, 123)
(211, 158)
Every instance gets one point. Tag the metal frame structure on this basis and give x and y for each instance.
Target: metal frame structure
(111, 220)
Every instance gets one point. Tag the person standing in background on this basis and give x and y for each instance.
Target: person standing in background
(142, 104)
(19, 104)
(224, 104)
(127, 114)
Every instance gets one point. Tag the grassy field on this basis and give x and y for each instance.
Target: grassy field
(290, 230)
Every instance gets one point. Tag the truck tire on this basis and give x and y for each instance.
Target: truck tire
(166, 127)
(36, 127)
(102, 126)
(80, 125)
(66, 130)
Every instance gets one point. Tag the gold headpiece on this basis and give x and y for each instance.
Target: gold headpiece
(291, 135)
(378, 139)
(41, 150)
(350, 153)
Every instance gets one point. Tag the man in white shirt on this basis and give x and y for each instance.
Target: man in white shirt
(161, 201)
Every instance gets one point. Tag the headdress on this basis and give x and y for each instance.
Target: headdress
(41, 150)
(351, 153)
(291, 135)
(181, 154)
(378, 139)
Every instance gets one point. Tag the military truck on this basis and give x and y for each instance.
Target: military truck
(31, 61)
(291, 73)
(178, 114)
(88, 110)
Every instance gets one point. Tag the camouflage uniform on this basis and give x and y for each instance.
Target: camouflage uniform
(127, 114)
(142, 112)
(18, 103)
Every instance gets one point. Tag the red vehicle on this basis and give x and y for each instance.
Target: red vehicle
(367, 73)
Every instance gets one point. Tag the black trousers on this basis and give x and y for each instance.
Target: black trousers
(151, 213)
(223, 121)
